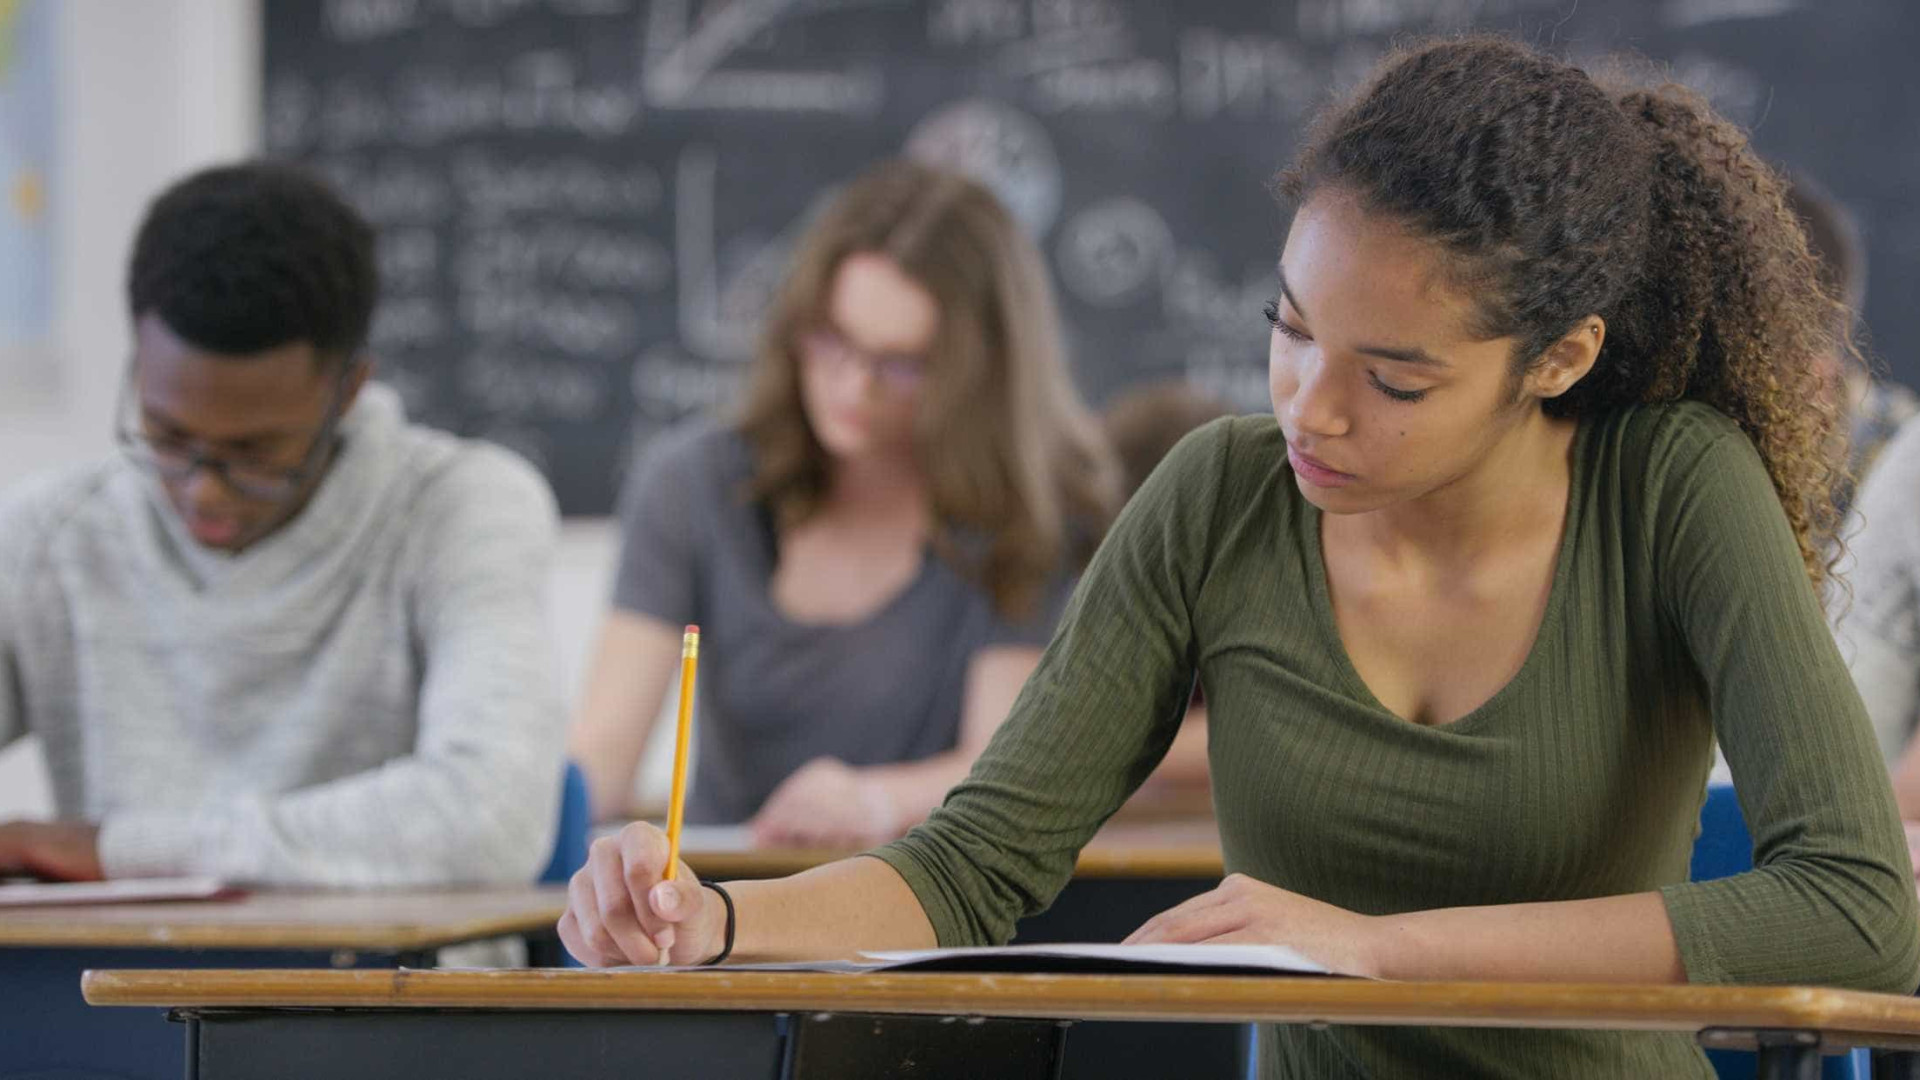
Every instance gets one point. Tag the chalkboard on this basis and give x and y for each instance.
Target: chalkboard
(583, 204)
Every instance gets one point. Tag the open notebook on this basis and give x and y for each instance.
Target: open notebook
(121, 891)
(1070, 959)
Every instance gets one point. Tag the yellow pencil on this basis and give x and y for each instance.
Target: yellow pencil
(677, 801)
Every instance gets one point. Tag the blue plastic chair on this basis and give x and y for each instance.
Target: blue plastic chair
(569, 855)
(1725, 848)
(570, 846)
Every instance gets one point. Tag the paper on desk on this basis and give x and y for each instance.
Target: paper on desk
(1071, 959)
(121, 891)
(701, 838)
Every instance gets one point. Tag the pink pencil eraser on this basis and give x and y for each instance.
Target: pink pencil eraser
(692, 629)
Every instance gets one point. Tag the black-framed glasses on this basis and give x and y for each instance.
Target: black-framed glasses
(897, 373)
(176, 460)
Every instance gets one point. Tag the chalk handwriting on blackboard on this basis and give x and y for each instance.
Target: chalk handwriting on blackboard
(682, 60)
(492, 185)
(1113, 251)
(1003, 148)
(586, 205)
(954, 23)
(669, 384)
(536, 92)
(1681, 14)
(1246, 76)
(511, 387)
(719, 315)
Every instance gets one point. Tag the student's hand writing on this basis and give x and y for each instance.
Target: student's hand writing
(827, 804)
(56, 850)
(620, 911)
(1244, 911)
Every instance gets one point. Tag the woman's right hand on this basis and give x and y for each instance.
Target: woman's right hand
(620, 910)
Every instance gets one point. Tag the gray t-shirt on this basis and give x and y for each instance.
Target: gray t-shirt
(773, 693)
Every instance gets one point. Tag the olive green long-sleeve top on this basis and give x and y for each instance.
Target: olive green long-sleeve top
(1679, 612)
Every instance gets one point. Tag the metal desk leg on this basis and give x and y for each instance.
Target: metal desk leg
(1788, 1055)
(1896, 1065)
(192, 1026)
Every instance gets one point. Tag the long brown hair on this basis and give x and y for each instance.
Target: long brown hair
(1556, 195)
(1010, 453)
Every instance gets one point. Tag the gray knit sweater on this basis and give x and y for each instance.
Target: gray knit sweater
(363, 698)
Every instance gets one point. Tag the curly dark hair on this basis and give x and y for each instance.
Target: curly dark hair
(1556, 195)
(1833, 236)
(242, 258)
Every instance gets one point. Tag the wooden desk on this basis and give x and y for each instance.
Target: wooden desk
(49, 1030)
(1132, 870)
(380, 922)
(253, 1019)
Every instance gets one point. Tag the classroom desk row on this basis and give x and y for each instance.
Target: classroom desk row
(1129, 872)
(334, 1017)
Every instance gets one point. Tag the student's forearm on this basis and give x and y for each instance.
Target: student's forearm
(634, 663)
(609, 780)
(914, 788)
(835, 910)
(1611, 939)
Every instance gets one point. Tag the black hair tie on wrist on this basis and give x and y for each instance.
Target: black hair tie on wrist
(726, 949)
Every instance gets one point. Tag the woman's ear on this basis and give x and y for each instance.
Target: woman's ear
(1568, 360)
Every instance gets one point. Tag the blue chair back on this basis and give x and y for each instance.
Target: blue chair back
(570, 846)
(1725, 848)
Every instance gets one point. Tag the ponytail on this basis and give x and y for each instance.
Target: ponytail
(1732, 311)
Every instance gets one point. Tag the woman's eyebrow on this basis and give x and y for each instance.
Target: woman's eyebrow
(1405, 354)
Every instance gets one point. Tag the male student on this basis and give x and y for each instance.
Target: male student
(282, 636)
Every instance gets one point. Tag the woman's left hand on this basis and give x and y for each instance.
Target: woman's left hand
(1244, 911)
(829, 805)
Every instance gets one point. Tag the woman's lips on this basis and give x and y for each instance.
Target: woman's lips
(1316, 472)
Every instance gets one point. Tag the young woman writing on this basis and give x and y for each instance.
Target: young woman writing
(1541, 512)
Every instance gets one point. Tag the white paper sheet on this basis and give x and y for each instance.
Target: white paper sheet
(121, 891)
(1158, 959)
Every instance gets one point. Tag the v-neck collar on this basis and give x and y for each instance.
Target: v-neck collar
(1314, 554)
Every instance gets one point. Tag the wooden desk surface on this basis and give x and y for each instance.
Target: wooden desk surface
(1169, 849)
(379, 921)
(1849, 1017)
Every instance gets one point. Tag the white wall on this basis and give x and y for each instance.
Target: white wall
(146, 91)
(150, 90)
